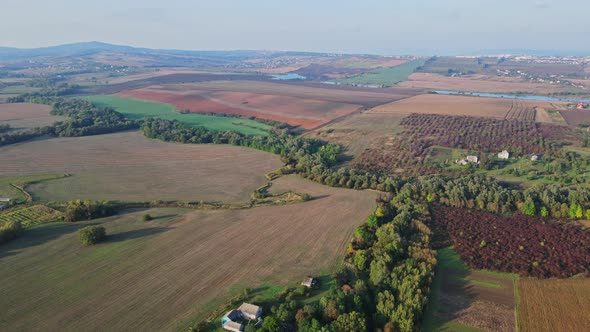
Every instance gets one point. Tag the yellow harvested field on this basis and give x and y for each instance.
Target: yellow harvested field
(478, 83)
(554, 305)
(448, 105)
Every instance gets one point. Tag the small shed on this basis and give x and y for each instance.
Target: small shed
(4, 200)
(309, 282)
(534, 157)
(250, 311)
(504, 154)
(472, 159)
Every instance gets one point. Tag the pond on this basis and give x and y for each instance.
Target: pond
(511, 96)
(285, 77)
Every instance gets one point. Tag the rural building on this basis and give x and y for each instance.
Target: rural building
(232, 326)
(534, 157)
(231, 320)
(504, 155)
(472, 159)
(309, 282)
(5, 200)
(580, 106)
(250, 311)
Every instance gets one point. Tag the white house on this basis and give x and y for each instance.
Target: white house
(534, 157)
(231, 320)
(309, 282)
(5, 200)
(472, 159)
(504, 155)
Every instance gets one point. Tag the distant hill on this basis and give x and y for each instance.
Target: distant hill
(92, 48)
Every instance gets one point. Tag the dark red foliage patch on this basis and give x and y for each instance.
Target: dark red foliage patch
(528, 246)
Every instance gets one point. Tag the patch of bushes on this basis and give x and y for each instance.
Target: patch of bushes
(92, 235)
(10, 230)
(87, 210)
(529, 246)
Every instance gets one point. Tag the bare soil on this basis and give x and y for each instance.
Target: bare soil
(151, 276)
(554, 305)
(128, 166)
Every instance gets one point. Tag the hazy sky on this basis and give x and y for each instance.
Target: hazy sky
(371, 26)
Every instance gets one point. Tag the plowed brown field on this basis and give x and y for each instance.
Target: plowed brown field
(554, 305)
(152, 276)
(130, 167)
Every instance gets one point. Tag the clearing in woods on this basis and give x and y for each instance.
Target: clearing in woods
(554, 305)
(360, 131)
(159, 275)
(130, 167)
(466, 300)
(140, 109)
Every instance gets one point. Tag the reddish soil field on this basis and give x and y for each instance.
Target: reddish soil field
(478, 83)
(575, 117)
(361, 96)
(307, 113)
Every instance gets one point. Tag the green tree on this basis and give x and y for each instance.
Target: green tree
(544, 212)
(372, 221)
(350, 322)
(579, 212)
(10, 230)
(529, 208)
(270, 324)
(92, 234)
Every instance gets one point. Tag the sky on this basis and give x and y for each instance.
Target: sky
(343, 26)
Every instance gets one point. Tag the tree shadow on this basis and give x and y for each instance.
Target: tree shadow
(38, 235)
(315, 198)
(134, 234)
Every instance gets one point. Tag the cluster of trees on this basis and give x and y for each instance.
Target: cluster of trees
(90, 235)
(86, 119)
(519, 244)
(46, 95)
(86, 210)
(11, 137)
(385, 281)
(10, 230)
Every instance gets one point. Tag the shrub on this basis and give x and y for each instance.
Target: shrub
(92, 234)
(10, 230)
(147, 217)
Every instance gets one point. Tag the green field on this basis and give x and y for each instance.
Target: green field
(384, 76)
(140, 109)
(8, 183)
(488, 285)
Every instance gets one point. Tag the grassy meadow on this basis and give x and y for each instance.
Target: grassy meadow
(384, 76)
(463, 300)
(140, 109)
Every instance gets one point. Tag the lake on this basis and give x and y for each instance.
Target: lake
(510, 96)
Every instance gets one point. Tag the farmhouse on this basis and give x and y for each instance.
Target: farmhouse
(309, 282)
(250, 311)
(467, 160)
(230, 322)
(504, 154)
